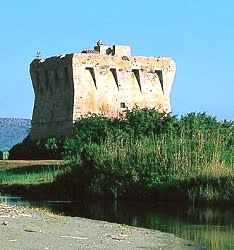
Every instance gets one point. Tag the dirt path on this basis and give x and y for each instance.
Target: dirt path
(30, 229)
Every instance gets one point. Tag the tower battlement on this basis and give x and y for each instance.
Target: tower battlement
(104, 80)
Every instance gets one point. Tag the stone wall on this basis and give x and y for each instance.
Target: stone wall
(67, 87)
(108, 84)
(54, 96)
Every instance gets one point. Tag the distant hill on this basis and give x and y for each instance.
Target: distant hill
(13, 131)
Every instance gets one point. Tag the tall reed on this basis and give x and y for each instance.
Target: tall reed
(199, 163)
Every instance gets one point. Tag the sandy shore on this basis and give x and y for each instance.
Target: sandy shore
(31, 229)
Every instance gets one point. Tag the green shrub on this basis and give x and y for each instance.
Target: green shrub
(138, 122)
(146, 122)
(43, 149)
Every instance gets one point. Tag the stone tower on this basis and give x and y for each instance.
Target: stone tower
(105, 80)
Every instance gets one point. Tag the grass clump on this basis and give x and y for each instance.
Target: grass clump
(47, 175)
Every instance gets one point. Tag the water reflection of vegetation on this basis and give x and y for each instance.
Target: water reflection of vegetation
(208, 225)
(215, 237)
(211, 226)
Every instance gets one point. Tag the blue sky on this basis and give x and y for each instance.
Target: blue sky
(198, 35)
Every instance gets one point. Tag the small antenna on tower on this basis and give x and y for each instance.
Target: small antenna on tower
(38, 54)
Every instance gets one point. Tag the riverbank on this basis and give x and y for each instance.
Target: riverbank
(34, 229)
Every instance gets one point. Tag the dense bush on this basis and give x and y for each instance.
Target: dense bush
(136, 123)
(145, 122)
(200, 123)
(43, 149)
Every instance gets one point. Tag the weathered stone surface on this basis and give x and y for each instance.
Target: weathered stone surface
(105, 80)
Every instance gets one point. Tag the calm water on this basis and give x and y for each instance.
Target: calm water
(211, 225)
